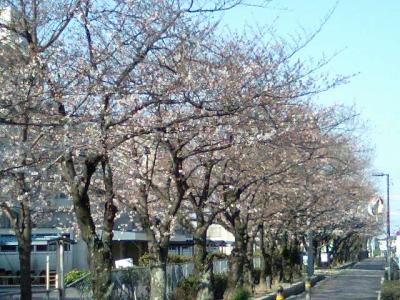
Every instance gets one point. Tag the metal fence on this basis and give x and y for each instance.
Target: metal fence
(134, 283)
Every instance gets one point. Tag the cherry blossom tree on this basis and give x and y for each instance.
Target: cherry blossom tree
(150, 113)
(318, 192)
(104, 66)
(125, 79)
(26, 118)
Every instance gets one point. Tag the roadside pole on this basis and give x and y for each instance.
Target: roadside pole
(47, 276)
(307, 287)
(310, 261)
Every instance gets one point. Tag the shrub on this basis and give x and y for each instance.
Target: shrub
(220, 283)
(390, 290)
(377, 252)
(178, 259)
(128, 280)
(74, 275)
(187, 289)
(219, 255)
(147, 259)
(189, 283)
(241, 294)
(394, 271)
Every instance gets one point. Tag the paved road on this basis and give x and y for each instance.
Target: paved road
(362, 281)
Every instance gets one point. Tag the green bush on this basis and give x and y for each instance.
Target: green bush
(390, 290)
(394, 271)
(147, 259)
(127, 280)
(241, 294)
(189, 283)
(74, 275)
(377, 252)
(220, 283)
(178, 259)
(219, 255)
(187, 289)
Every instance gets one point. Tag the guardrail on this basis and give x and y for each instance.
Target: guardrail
(134, 283)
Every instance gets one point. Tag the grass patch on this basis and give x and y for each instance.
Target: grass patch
(390, 290)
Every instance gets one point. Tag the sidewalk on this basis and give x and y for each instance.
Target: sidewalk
(360, 282)
(293, 289)
(298, 287)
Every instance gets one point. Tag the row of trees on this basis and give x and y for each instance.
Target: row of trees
(142, 108)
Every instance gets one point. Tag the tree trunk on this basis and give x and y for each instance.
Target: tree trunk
(206, 291)
(266, 270)
(99, 248)
(295, 262)
(203, 266)
(248, 268)
(24, 251)
(262, 283)
(235, 278)
(236, 262)
(22, 227)
(158, 273)
(263, 286)
(100, 262)
(158, 282)
(318, 255)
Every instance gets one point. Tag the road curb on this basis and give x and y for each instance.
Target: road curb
(295, 289)
(346, 266)
(299, 288)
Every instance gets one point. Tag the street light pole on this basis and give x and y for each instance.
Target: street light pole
(388, 258)
(388, 206)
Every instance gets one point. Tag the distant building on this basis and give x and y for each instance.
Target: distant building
(130, 243)
(397, 245)
(219, 239)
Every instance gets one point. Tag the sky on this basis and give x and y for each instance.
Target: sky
(365, 35)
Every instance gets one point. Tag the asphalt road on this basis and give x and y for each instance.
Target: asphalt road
(362, 281)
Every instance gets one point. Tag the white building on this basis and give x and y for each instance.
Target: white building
(220, 239)
(131, 243)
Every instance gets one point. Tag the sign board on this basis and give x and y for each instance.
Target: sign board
(124, 263)
(382, 245)
(305, 259)
(324, 257)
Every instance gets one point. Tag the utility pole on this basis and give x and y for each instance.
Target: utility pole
(310, 254)
(389, 251)
(310, 260)
(388, 256)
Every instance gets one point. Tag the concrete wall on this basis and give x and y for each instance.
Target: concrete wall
(10, 261)
(79, 256)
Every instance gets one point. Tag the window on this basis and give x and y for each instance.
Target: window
(46, 248)
(173, 250)
(8, 248)
(41, 248)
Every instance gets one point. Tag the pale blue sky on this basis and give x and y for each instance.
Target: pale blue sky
(368, 32)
